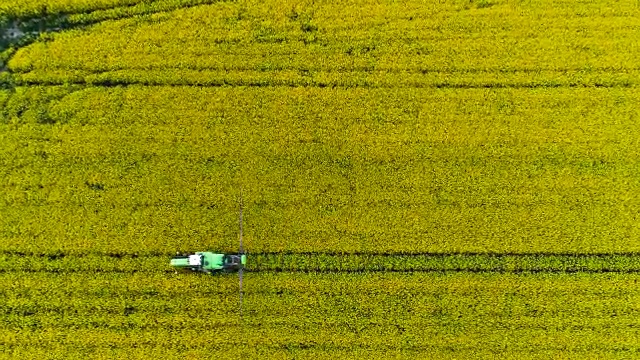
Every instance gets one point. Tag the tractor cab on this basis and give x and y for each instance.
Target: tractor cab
(234, 260)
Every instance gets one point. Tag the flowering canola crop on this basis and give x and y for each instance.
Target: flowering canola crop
(457, 179)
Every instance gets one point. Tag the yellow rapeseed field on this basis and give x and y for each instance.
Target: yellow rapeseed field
(450, 179)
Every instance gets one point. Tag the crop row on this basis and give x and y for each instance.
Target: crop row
(326, 314)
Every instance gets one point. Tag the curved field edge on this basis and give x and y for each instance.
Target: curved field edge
(25, 23)
(78, 11)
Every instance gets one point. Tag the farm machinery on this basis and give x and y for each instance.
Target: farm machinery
(209, 262)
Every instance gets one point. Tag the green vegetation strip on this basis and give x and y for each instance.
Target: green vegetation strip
(325, 262)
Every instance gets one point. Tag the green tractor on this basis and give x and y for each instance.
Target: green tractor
(209, 262)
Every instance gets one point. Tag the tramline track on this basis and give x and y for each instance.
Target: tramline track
(310, 262)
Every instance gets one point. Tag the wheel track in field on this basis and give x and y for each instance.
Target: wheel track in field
(220, 76)
(327, 262)
(225, 82)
